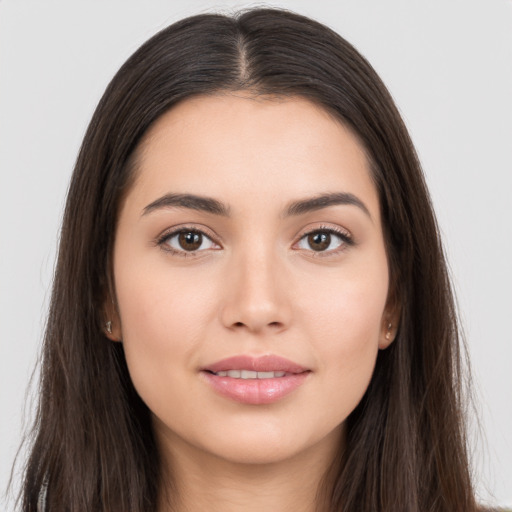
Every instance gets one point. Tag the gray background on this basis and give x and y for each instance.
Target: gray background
(448, 64)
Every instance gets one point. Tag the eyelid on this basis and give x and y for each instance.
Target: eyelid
(342, 233)
(175, 230)
(345, 235)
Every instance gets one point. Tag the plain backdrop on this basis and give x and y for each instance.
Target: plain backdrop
(447, 63)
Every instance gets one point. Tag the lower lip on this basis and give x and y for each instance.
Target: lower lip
(256, 391)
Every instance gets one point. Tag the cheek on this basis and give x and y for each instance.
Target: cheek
(348, 308)
(345, 319)
(159, 304)
(163, 320)
(350, 345)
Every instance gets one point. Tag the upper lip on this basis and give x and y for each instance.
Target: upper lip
(266, 363)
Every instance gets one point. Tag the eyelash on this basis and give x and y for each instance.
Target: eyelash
(162, 241)
(346, 241)
(345, 236)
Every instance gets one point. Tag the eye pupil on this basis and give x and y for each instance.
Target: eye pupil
(319, 241)
(190, 240)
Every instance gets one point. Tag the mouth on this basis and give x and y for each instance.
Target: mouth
(250, 374)
(255, 381)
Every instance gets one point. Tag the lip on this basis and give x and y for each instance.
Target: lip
(256, 391)
(266, 363)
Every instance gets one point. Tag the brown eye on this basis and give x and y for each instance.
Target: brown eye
(190, 240)
(319, 241)
(324, 241)
(187, 241)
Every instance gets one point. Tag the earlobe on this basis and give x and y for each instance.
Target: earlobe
(111, 332)
(388, 333)
(389, 327)
(111, 324)
(390, 318)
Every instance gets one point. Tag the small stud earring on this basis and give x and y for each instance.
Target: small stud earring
(388, 333)
(108, 326)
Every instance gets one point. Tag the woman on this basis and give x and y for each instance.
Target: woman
(251, 307)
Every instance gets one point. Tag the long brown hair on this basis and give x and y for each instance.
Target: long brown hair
(93, 446)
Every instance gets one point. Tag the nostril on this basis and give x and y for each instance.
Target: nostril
(271, 324)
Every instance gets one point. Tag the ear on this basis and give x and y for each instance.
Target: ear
(389, 323)
(112, 323)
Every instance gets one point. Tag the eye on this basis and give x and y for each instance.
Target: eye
(187, 241)
(324, 240)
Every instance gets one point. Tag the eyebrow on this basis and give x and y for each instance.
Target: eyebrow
(215, 207)
(201, 203)
(324, 201)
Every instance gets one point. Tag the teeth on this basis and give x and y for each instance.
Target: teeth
(249, 374)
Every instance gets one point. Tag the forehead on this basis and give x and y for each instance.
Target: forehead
(237, 146)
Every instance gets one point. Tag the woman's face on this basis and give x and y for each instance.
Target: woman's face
(251, 277)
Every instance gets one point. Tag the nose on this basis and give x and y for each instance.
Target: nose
(256, 294)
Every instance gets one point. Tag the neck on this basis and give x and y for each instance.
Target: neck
(197, 481)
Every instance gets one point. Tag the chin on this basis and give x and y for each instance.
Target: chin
(266, 444)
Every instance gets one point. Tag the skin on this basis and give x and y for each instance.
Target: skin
(256, 288)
